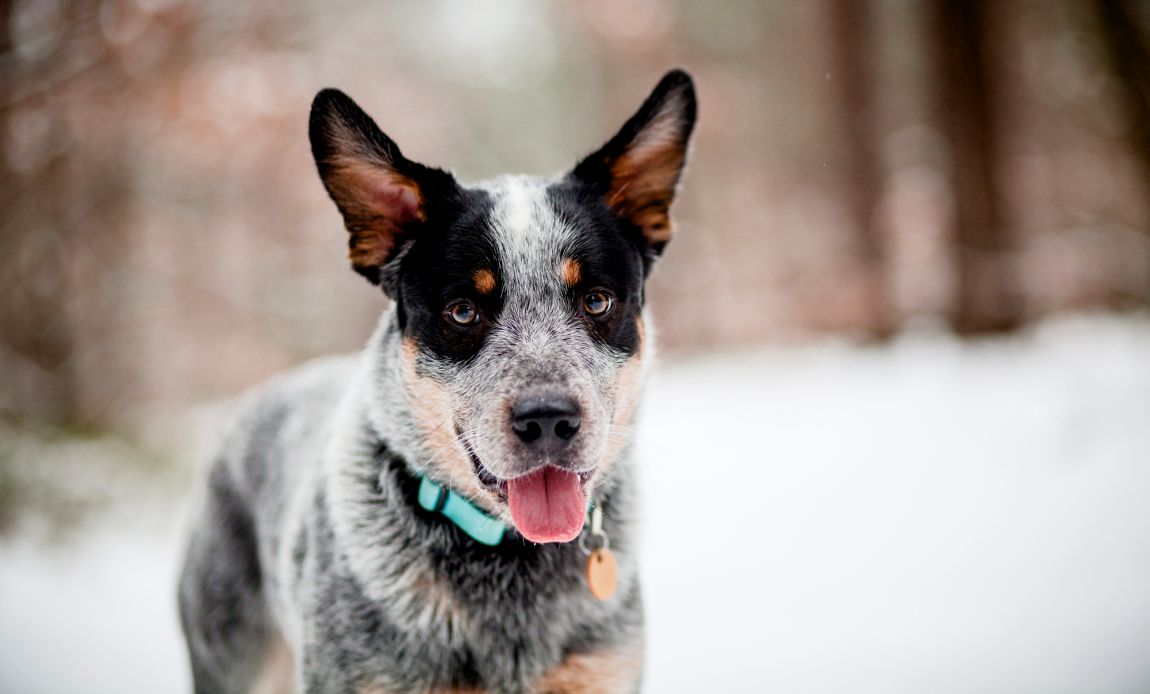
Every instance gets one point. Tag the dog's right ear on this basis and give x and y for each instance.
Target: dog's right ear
(381, 195)
(637, 172)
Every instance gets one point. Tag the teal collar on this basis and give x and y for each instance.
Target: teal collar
(467, 516)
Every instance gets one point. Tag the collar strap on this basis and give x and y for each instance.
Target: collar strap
(479, 525)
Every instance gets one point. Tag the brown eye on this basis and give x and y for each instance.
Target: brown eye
(463, 313)
(596, 303)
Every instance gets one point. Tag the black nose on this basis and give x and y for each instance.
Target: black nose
(545, 422)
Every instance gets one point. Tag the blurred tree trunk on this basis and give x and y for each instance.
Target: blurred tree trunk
(1129, 56)
(850, 37)
(1131, 63)
(987, 299)
(39, 228)
(34, 338)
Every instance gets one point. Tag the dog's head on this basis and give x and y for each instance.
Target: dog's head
(519, 300)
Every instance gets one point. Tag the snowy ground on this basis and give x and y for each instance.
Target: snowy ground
(927, 517)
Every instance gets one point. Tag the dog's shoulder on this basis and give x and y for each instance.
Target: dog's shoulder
(315, 385)
(278, 422)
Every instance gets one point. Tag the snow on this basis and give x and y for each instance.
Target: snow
(930, 516)
(95, 616)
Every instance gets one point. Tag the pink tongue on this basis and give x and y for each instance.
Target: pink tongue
(547, 505)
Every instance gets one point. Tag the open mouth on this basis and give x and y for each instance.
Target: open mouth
(548, 504)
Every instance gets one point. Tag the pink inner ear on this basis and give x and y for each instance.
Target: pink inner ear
(395, 200)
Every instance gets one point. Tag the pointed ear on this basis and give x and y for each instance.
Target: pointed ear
(381, 195)
(638, 170)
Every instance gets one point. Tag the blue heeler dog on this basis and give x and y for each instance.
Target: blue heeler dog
(452, 510)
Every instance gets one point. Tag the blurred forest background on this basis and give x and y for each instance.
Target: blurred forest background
(861, 168)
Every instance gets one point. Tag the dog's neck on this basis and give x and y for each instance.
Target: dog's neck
(384, 392)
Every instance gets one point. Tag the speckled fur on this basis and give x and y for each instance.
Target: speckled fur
(310, 551)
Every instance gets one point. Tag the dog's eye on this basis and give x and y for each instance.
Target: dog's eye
(596, 303)
(463, 313)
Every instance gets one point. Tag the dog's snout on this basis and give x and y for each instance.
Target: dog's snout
(546, 422)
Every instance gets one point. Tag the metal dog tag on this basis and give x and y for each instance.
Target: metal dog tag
(602, 574)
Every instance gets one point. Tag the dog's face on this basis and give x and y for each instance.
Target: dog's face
(520, 300)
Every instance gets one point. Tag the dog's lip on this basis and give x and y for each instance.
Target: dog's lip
(499, 485)
(486, 478)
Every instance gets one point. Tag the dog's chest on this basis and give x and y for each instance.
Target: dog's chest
(604, 671)
(468, 619)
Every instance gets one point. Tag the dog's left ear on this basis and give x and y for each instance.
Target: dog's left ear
(381, 194)
(638, 170)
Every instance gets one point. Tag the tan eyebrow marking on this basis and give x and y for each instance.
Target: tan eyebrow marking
(572, 271)
(484, 281)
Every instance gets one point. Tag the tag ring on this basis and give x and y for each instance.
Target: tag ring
(583, 541)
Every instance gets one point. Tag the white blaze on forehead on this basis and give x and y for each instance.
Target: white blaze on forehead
(516, 208)
(530, 239)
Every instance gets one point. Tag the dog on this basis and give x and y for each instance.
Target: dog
(452, 510)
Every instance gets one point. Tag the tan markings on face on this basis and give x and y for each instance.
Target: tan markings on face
(628, 383)
(571, 271)
(431, 407)
(605, 672)
(484, 281)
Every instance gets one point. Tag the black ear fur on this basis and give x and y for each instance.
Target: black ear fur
(380, 193)
(638, 170)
